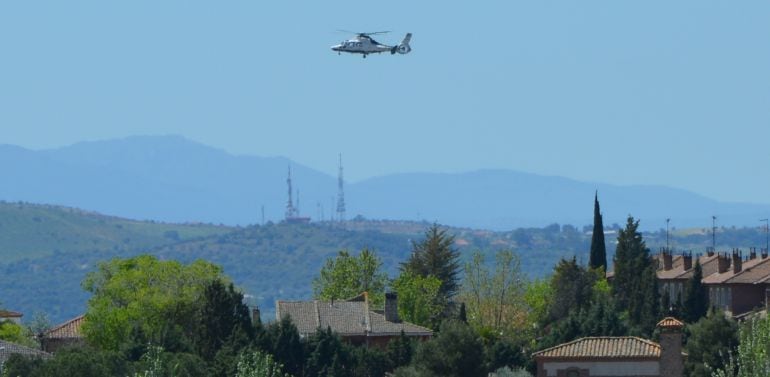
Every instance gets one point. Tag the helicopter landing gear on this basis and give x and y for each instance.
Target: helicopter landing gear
(364, 56)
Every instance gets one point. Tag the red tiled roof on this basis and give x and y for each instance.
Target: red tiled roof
(67, 330)
(605, 347)
(670, 323)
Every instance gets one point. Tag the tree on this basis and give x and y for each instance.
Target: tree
(258, 364)
(695, 296)
(346, 276)
(709, 341)
(494, 300)
(572, 288)
(418, 298)
(143, 295)
(221, 317)
(328, 357)
(454, 352)
(436, 256)
(400, 351)
(752, 357)
(635, 285)
(598, 250)
(284, 342)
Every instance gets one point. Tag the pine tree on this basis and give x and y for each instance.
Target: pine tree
(598, 249)
(436, 256)
(635, 285)
(695, 296)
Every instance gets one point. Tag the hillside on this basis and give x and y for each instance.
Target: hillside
(172, 179)
(34, 230)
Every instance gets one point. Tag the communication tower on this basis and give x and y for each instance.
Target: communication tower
(340, 195)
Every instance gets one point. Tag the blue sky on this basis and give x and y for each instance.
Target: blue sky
(653, 92)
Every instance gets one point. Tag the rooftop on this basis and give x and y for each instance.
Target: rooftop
(604, 347)
(7, 349)
(67, 330)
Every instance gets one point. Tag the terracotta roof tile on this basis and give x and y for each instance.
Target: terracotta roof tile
(670, 323)
(603, 347)
(752, 273)
(67, 330)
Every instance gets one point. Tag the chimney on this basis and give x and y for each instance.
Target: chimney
(710, 251)
(391, 307)
(723, 263)
(753, 253)
(671, 360)
(687, 260)
(668, 261)
(255, 315)
(737, 261)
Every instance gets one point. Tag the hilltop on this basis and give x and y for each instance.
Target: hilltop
(173, 179)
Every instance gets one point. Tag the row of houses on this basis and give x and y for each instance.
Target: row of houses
(738, 284)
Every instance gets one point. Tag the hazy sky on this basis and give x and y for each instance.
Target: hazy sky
(646, 92)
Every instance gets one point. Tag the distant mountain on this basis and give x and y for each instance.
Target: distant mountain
(169, 178)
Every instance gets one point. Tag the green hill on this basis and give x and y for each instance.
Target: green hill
(36, 230)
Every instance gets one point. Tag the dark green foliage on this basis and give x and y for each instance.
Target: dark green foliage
(400, 351)
(601, 319)
(282, 337)
(709, 342)
(572, 287)
(435, 255)
(598, 258)
(81, 362)
(696, 296)
(370, 362)
(502, 353)
(328, 357)
(454, 352)
(462, 316)
(635, 285)
(222, 317)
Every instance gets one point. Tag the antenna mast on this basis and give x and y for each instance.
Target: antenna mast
(290, 210)
(340, 195)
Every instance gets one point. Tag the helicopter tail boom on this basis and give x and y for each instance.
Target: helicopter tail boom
(404, 47)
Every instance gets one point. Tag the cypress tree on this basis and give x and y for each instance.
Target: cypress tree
(635, 286)
(598, 249)
(695, 296)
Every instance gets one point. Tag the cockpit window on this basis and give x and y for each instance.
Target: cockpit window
(373, 41)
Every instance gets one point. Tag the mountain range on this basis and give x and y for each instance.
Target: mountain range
(173, 179)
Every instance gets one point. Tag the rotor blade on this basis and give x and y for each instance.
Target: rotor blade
(347, 31)
(377, 32)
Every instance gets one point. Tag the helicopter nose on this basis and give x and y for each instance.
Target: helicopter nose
(336, 48)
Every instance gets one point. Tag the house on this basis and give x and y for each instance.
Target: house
(7, 349)
(736, 285)
(64, 335)
(353, 320)
(616, 356)
(7, 315)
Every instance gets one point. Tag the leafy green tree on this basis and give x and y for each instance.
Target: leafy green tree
(695, 296)
(15, 333)
(369, 362)
(603, 318)
(598, 257)
(635, 284)
(79, 361)
(144, 295)
(258, 364)
(709, 341)
(503, 352)
(454, 352)
(436, 256)
(347, 276)
(537, 297)
(572, 287)
(494, 299)
(418, 298)
(752, 358)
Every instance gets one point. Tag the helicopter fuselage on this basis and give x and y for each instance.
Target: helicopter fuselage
(361, 45)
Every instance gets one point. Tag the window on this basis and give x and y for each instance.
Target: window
(573, 373)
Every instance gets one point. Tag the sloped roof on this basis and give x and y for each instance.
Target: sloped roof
(67, 330)
(9, 314)
(753, 270)
(7, 349)
(604, 347)
(670, 323)
(347, 318)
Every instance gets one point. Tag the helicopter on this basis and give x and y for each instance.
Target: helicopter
(364, 44)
